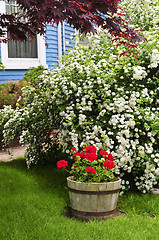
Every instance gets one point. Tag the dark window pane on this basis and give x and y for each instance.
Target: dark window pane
(18, 49)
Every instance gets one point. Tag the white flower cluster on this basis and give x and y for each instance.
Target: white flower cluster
(140, 73)
(143, 14)
(154, 58)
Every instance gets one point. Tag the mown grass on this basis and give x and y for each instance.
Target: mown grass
(33, 205)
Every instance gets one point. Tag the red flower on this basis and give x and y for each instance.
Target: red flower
(91, 149)
(91, 156)
(110, 157)
(81, 155)
(74, 166)
(106, 157)
(76, 154)
(62, 164)
(73, 149)
(91, 170)
(103, 153)
(109, 164)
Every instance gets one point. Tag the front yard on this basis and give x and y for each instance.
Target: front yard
(34, 205)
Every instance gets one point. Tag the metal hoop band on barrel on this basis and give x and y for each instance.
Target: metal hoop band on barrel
(83, 213)
(94, 192)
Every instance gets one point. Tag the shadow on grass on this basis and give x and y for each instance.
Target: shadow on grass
(47, 176)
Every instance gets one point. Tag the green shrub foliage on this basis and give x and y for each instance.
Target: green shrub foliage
(32, 76)
(11, 91)
(2, 66)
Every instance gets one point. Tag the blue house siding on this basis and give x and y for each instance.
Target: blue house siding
(11, 75)
(52, 49)
(69, 31)
(51, 52)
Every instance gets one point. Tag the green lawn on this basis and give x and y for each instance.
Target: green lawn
(33, 205)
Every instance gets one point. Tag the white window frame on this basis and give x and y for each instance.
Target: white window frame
(23, 63)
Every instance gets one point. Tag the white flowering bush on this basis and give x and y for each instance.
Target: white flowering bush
(143, 14)
(98, 98)
(111, 101)
(34, 122)
(5, 114)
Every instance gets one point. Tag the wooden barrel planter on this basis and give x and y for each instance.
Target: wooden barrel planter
(93, 200)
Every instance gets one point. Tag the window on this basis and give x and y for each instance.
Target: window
(18, 49)
(21, 55)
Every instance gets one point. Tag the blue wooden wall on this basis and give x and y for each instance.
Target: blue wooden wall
(51, 53)
(52, 49)
(69, 31)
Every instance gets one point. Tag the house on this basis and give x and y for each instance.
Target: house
(18, 56)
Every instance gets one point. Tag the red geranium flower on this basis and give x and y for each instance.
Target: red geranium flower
(74, 166)
(91, 170)
(91, 149)
(62, 164)
(81, 155)
(103, 153)
(109, 164)
(110, 157)
(91, 162)
(91, 156)
(73, 149)
(75, 154)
